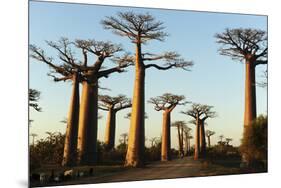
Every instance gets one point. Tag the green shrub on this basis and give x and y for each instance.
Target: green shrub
(254, 143)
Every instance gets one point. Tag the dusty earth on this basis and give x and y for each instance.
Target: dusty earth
(177, 168)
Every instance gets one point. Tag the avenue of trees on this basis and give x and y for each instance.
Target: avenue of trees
(80, 146)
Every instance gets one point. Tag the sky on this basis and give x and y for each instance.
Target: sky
(213, 80)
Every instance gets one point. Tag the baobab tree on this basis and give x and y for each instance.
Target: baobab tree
(140, 29)
(34, 96)
(200, 113)
(227, 140)
(87, 132)
(208, 135)
(166, 103)
(153, 141)
(250, 46)
(186, 136)
(124, 138)
(189, 147)
(67, 70)
(221, 137)
(179, 125)
(112, 105)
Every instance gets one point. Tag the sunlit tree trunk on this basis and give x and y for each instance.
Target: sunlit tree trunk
(135, 152)
(70, 144)
(250, 94)
(197, 140)
(202, 140)
(110, 129)
(166, 137)
(88, 124)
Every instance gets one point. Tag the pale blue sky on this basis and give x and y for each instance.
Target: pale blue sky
(214, 80)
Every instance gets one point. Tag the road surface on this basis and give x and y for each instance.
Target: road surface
(177, 168)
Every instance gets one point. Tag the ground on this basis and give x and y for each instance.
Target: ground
(177, 168)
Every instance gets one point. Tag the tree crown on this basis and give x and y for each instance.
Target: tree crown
(139, 28)
(119, 102)
(68, 63)
(179, 124)
(242, 44)
(167, 101)
(209, 133)
(202, 112)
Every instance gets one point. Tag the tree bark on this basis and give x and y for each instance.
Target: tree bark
(110, 129)
(250, 113)
(197, 141)
(202, 140)
(88, 124)
(135, 151)
(166, 137)
(250, 94)
(70, 144)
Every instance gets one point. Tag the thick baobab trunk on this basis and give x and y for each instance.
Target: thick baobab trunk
(70, 144)
(197, 141)
(202, 140)
(250, 94)
(250, 113)
(135, 151)
(166, 137)
(110, 129)
(88, 124)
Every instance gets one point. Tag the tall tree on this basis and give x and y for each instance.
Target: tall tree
(186, 132)
(140, 29)
(112, 105)
(124, 138)
(208, 135)
(179, 125)
(166, 103)
(227, 140)
(87, 132)
(153, 141)
(221, 137)
(34, 96)
(200, 113)
(67, 69)
(249, 45)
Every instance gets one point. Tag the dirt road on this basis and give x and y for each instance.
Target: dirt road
(177, 168)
